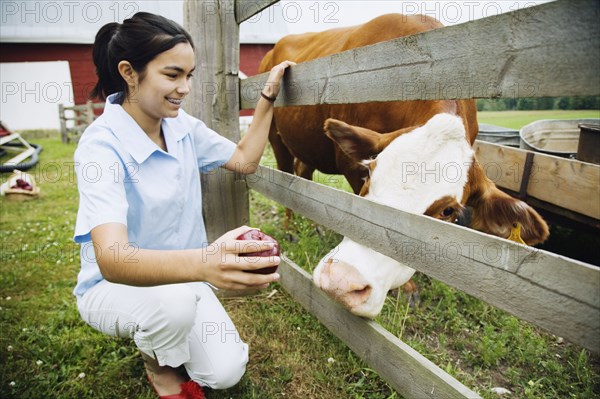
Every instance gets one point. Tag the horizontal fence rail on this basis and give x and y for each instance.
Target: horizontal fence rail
(553, 292)
(548, 50)
(405, 369)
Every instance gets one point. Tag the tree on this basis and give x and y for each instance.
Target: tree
(525, 104)
(563, 103)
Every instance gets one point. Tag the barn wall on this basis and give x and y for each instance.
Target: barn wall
(250, 57)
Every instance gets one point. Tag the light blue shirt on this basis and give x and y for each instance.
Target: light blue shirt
(124, 177)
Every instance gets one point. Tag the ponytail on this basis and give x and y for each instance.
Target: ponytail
(109, 79)
(138, 40)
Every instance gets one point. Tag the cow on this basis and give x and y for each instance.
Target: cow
(387, 152)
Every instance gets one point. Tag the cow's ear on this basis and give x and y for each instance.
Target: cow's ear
(356, 142)
(496, 213)
(360, 143)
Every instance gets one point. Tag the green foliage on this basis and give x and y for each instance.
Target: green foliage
(484, 347)
(517, 119)
(46, 351)
(542, 103)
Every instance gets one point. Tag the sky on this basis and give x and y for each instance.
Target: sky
(78, 21)
(312, 15)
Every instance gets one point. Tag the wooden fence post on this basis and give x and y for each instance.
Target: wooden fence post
(64, 135)
(89, 113)
(214, 99)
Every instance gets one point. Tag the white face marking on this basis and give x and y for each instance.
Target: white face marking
(415, 170)
(422, 166)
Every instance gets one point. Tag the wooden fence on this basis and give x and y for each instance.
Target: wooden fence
(547, 50)
(75, 119)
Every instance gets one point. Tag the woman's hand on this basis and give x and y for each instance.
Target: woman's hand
(224, 268)
(250, 148)
(273, 84)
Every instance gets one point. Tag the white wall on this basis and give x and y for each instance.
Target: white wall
(31, 91)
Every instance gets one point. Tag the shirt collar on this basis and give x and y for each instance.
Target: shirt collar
(131, 135)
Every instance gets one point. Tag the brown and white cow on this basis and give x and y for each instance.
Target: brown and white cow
(389, 153)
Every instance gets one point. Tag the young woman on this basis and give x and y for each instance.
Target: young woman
(145, 259)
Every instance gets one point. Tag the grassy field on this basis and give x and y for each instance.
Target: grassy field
(518, 119)
(46, 351)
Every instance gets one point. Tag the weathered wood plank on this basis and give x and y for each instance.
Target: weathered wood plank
(556, 293)
(246, 9)
(566, 183)
(533, 52)
(405, 369)
(214, 99)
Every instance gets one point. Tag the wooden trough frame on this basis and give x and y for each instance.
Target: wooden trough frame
(562, 186)
(543, 51)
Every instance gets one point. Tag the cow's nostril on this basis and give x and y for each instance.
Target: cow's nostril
(362, 292)
(356, 296)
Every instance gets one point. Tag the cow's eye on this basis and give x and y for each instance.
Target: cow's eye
(447, 212)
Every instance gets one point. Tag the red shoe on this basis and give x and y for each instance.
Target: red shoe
(189, 390)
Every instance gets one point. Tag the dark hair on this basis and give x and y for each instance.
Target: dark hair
(138, 40)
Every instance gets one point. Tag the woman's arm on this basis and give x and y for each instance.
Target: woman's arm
(247, 155)
(123, 262)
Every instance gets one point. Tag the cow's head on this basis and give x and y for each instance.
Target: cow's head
(423, 170)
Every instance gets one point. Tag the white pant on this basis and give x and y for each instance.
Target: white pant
(175, 324)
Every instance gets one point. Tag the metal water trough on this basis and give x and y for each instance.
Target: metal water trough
(558, 137)
(499, 135)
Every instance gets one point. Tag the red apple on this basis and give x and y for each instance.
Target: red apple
(255, 234)
(23, 185)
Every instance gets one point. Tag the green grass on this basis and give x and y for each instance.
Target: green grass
(518, 119)
(45, 347)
